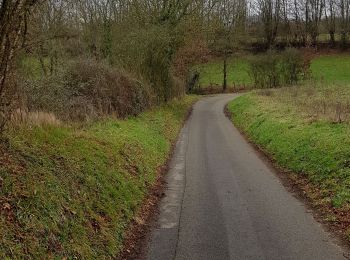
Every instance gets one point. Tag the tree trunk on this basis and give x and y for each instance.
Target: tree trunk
(224, 87)
(13, 16)
(343, 41)
(332, 38)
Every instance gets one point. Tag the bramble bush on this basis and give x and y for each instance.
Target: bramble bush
(86, 90)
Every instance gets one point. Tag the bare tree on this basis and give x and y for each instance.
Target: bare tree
(344, 7)
(330, 17)
(231, 17)
(313, 18)
(13, 26)
(270, 14)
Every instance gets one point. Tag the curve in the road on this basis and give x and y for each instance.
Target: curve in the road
(224, 202)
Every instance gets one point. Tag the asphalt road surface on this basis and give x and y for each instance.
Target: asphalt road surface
(224, 202)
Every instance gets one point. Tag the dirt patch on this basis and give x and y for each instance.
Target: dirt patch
(334, 220)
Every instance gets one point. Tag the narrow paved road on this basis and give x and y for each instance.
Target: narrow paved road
(223, 202)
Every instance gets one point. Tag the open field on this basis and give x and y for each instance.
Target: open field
(69, 192)
(300, 129)
(326, 68)
(324, 37)
(211, 73)
(332, 68)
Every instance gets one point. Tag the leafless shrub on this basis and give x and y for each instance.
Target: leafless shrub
(87, 90)
(275, 69)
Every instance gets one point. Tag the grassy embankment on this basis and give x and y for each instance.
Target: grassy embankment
(317, 148)
(306, 129)
(71, 192)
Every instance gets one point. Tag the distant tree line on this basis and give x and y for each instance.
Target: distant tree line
(300, 21)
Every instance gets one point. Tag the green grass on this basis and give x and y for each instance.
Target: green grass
(211, 73)
(332, 68)
(69, 192)
(325, 68)
(318, 149)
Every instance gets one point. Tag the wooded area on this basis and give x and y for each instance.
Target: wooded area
(83, 59)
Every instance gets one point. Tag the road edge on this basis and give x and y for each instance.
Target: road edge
(301, 188)
(139, 230)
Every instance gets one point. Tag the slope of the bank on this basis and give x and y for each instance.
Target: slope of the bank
(315, 150)
(68, 192)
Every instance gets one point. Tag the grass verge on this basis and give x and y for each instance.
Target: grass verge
(68, 192)
(315, 150)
